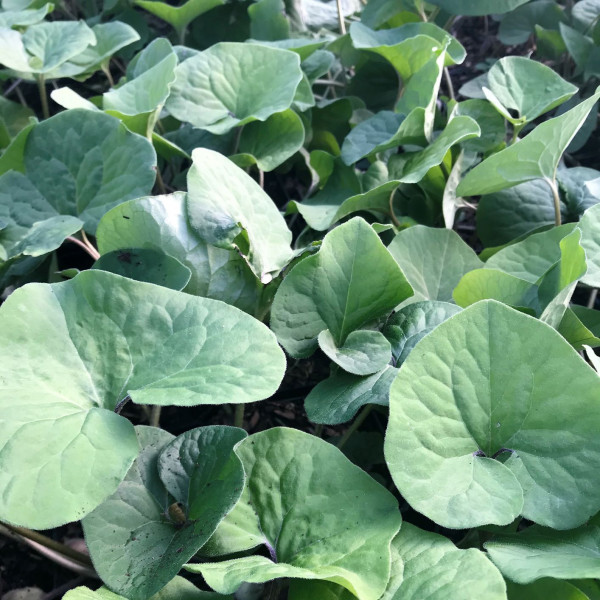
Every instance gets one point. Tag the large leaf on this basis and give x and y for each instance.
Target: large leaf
(81, 163)
(160, 223)
(479, 434)
(149, 78)
(224, 202)
(338, 398)
(481, 7)
(171, 501)
(177, 589)
(541, 552)
(296, 484)
(433, 260)
(232, 84)
(544, 589)
(528, 87)
(536, 156)
(337, 289)
(72, 351)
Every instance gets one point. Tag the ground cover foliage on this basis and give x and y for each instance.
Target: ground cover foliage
(387, 212)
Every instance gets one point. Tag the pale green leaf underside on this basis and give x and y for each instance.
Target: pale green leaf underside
(337, 289)
(296, 484)
(590, 242)
(536, 156)
(481, 7)
(179, 16)
(232, 84)
(461, 393)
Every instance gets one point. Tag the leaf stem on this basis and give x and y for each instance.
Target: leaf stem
(355, 425)
(238, 419)
(43, 96)
(516, 132)
(261, 178)
(393, 217)
(449, 84)
(159, 182)
(592, 299)
(556, 197)
(155, 415)
(47, 542)
(238, 136)
(106, 70)
(319, 430)
(340, 13)
(91, 251)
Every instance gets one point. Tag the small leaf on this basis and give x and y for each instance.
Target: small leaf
(407, 326)
(295, 483)
(483, 422)
(265, 83)
(364, 352)
(136, 542)
(142, 264)
(337, 289)
(338, 398)
(223, 201)
(536, 156)
(434, 260)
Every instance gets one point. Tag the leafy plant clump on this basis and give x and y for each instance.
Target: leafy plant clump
(299, 299)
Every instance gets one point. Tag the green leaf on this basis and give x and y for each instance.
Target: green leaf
(177, 589)
(540, 552)
(528, 87)
(44, 46)
(12, 18)
(411, 167)
(224, 202)
(338, 398)
(179, 17)
(150, 76)
(160, 223)
(268, 20)
(15, 117)
(270, 143)
(384, 130)
(407, 326)
(337, 289)
(143, 264)
(518, 26)
(580, 326)
(430, 566)
(579, 186)
(534, 157)
(433, 260)
(82, 163)
(514, 212)
(43, 236)
(255, 82)
(481, 7)
(491, 124)
(71, 351)
(491, 383)
(295, 484)
(590, 241)
(544, 589)
(138, 539)
(363, 353)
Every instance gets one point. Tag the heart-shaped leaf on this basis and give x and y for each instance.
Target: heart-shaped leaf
(295, 483)
(171, 501)
(536, 156)
(22, 18)
(407, 326)
(528, 87)
(483, 423)
(160, 223)
(338, 398)
(205, 95)
(540, 552)
(337, 289)
(224, 202)
(363, 353)
(434, 260)
(143, 264)
(100, 338)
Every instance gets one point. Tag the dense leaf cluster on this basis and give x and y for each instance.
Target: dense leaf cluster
(293, 176)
